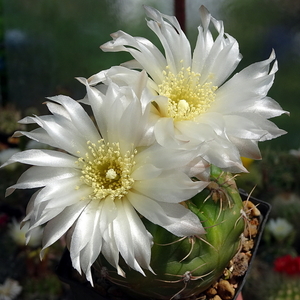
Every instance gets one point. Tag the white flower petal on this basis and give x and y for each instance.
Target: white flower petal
(219, 57)
(199, 168)
(43, 217)
(86, 235)
(132, 239)
(224, 156)
(39, 135)
(266, 107)
(109, 213)
(79, 117)
(40, 176)
(46, 158)
(215, 149)
(229, 54)
(165, 158)
(247, 148)
(89, 254)
(204, 41)
(53, 190)
(173, 217)
(124, 77)
(252, 127)
(247, 128)
(72, 197)
(169, 187)
(95, 99)
(57, 109)
(146, 172)
(64, 133)
(254, 82)
(141, 49)
(176, 45)
(129, 130)
(110, 250)
(59, 225)
(165, 134)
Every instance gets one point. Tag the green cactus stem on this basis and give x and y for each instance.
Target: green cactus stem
(187, 266)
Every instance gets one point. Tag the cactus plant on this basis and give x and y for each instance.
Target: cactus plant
(187, 266)
(119, 191)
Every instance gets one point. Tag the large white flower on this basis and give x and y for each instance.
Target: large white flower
(106, 175)
(196, 104)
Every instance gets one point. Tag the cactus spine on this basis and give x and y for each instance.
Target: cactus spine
(187, 266)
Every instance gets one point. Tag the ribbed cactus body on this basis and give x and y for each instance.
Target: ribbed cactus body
(187, 266)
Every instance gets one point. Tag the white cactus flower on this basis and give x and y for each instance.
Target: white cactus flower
(105, 177)
(280, 228)
(196, 104)
(10, 289)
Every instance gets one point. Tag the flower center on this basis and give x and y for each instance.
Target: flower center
(106, 170)
(187, 97)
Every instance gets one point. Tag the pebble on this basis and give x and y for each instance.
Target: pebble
(211, 292)
(251, 209)
(251, 228)
(241, 261)
(225, 290)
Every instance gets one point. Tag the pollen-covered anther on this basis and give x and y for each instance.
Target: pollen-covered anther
(188, 98)
(106, 170)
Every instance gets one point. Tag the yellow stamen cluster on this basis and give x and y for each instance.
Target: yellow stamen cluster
(106, 170)
(187, 97)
